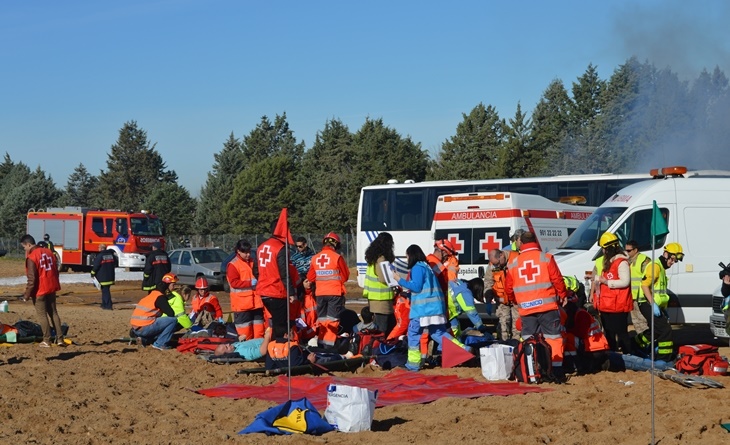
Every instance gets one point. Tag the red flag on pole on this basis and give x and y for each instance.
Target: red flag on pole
(281, 230)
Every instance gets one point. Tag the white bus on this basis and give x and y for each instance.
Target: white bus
(406, 210)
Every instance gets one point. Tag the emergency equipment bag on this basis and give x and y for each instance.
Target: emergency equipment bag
(701, 359)
(533, 361)
(366, 342)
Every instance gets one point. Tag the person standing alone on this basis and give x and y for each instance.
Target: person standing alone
(103, 270)
(43, 283)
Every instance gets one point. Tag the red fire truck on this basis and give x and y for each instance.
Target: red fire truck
(77, 232)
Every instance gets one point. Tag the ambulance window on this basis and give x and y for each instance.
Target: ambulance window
(637, 227)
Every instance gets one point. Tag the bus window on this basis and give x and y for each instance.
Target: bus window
(375, 211)
(411, 205)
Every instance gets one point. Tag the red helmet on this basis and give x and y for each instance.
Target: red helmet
(446, 246)
(201, 283)
(331, 238)
(169, 278)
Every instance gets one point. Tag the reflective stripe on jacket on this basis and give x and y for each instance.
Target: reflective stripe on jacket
(145, 312)
(242, 298)
(327, 275)
(637, 274)
(429, 300)
(532, 285)
(374, 289)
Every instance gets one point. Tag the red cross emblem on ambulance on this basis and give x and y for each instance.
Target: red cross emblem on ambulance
(456, 241)
(265, 256)
(529, 271)
(489, 242)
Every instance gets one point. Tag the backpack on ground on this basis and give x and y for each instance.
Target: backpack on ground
(533, 361)
(389, 355)
(701, 359)
(27, 328)
(366, 342)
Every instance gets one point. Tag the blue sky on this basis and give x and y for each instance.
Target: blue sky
(192, 72)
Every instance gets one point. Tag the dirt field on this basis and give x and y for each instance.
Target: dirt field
(101, 390)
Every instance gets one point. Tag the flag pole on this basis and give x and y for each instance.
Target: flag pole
(286, 291)
(651, 340)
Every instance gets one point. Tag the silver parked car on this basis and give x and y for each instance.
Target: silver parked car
(191, 262)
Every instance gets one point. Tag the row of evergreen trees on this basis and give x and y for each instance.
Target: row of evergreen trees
(640, 116)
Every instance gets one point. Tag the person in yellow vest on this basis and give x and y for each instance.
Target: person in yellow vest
(377, 291)
(147, 322)
(637, 262)
(654, 300)
(177, 302)
(494, 280)
(328, 274)
(247, 307)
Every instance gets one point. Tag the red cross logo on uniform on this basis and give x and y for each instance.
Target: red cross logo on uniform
(456, 241)
(46, 262)
(489, 242)
(265, 256)
(529, 271)
(322, 261)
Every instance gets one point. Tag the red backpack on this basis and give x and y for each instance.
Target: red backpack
(701, 360)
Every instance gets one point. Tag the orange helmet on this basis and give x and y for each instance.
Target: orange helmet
(169, 278)
(331, 238)
(446, 246)
(201, 283)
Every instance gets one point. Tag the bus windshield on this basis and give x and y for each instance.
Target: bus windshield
(586, 235)
(146, 226)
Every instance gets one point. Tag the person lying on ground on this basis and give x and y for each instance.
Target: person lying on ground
(249, 350)
(281, 352)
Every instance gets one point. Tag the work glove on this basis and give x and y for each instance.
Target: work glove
(253, 282)
(657, 311)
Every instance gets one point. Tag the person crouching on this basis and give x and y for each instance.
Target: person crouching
(147, 321)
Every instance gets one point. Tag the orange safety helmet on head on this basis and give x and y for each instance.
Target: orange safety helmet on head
(445, 246)
(201, 283)
(169, 278)
(331, 238)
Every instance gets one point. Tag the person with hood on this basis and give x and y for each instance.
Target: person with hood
(461, 300)
(614, 300)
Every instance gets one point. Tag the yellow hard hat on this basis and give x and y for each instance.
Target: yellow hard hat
(675, 249)
(607, 239)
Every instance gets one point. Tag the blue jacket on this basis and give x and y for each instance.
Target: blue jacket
(463, 301)
(427, 299)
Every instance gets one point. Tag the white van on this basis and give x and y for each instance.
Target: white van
(479, 222)
(696, 206)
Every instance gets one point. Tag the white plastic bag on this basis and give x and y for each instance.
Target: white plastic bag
(496, 360)
(349, 408)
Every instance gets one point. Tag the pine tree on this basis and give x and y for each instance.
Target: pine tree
(588, 153)
(174, 205)
(478, 141)
(327, 171)
(134, 168)
(550, 125)
(38, 192)
(80, 188)
(209, 217)
(518, 159)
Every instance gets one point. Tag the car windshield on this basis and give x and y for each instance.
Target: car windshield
(146, 226)
(586, 235)
(209, 256)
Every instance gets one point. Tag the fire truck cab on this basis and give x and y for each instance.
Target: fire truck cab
(78, 232)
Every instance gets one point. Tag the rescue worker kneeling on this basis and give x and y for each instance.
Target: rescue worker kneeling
(147, 321)
(461, 300)
(586, 347)
(177, 303)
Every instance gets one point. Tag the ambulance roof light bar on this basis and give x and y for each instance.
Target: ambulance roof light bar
(674, 171)
(473, 197)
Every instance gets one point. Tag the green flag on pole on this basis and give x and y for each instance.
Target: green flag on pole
(658, 223)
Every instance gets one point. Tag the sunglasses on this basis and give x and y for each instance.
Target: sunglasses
(631, 250)
(300, 246)
(677, 257)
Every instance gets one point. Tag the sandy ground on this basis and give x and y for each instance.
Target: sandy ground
(102, 390)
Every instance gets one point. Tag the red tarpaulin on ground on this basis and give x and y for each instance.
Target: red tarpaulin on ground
(399, 386)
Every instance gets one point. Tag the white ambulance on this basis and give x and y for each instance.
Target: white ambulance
(696, 206)
(479, 222)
